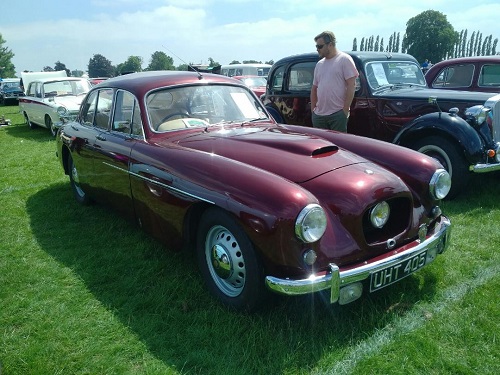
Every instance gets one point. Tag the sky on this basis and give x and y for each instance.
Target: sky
(40, 33)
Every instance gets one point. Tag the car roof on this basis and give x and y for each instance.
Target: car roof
(4, 80)
(142, 82)
(471, 59)
(59, 79)
(358, 56)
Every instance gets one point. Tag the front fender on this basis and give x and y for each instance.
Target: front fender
(447, 125)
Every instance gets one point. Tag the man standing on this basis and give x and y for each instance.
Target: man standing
(333, 85)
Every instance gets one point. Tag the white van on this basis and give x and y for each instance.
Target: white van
(245, 70)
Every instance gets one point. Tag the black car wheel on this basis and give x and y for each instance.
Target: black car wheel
(451, 159)
(228, 262)
(50, 125)
(80, 195)
(28, 122)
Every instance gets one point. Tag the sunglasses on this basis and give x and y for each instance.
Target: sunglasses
(319, 46)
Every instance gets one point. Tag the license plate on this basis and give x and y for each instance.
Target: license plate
(396, 272)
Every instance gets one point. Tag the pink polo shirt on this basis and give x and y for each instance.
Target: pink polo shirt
(329, 77)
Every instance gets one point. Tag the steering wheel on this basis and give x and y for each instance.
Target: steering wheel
(179, 114)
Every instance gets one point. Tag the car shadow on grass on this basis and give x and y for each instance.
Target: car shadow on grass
(159, 295)
(18, 127)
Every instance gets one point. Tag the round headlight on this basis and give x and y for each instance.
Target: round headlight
(476, 115)
(311, 223)
(380, 214)
(61, 111)
(440, 184)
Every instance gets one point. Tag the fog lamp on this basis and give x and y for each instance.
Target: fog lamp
(350, 293)
(380, 214)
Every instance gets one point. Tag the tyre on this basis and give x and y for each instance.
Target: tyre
(80, 195)
(50, 125)
(450, 157)
(28, 122)
(228, 262)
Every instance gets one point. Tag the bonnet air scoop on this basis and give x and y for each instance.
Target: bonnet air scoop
(324, 151)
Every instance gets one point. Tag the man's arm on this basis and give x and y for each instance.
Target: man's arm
(349, 95)
(314, 97)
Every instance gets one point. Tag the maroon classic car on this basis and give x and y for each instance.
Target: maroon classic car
(196, 160)
(476, 73)
(393, 103)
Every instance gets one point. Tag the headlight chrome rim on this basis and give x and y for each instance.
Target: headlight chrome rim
(62, 111)
(310, 224)
(440, 184)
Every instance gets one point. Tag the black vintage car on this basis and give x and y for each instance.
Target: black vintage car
(393, 103)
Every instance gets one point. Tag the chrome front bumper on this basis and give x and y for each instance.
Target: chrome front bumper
(483, 168)
(337, 279)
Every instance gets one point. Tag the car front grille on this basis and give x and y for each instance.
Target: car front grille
(399, 218)
(494, 104)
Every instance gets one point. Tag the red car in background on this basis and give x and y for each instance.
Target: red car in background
(477, 73)
(256, 83)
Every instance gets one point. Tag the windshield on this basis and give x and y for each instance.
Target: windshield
(11, 85)
(201, 106)
(65, 88)
(385, 73)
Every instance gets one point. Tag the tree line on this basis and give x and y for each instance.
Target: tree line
(430, 36)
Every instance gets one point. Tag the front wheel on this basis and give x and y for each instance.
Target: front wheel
(228, 262)
(80, 195)
(451, 159)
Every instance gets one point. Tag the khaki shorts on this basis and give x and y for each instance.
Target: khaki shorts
(335, 121)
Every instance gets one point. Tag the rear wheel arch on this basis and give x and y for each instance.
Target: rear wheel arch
(31, 124)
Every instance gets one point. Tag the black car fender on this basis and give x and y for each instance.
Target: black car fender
(446, 125)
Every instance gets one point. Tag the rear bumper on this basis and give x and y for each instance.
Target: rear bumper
(336, 279)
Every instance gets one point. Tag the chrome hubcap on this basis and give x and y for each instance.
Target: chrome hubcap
(225, 261)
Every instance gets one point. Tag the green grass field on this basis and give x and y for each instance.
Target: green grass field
(84, 292)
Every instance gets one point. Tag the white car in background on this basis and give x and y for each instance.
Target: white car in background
(50, 102)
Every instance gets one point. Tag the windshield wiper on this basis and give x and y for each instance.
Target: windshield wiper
(383, 88)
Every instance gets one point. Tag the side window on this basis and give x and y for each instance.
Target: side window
(490, 76)
(103, 110)
(88, 109)
(127, 118)
(38, 90)
(455, 76)
(31, 89)
(276, 81)
(301, 76)
(96, 110)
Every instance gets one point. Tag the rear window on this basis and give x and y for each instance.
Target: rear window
(490, 76)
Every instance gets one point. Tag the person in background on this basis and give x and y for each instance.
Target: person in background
(333, 85)
(425, 66)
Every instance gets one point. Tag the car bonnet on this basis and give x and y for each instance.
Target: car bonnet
(295, 156)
